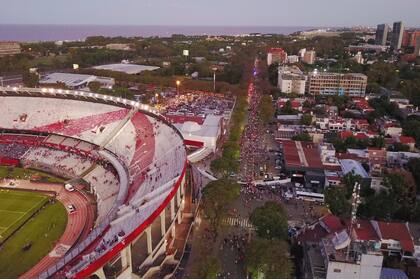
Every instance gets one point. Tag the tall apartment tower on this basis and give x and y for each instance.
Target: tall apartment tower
(417, 49)
(381, 34)
(397, 35)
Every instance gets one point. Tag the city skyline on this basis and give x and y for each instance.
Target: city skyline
(211, 13)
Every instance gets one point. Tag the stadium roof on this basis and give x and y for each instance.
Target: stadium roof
(70, 80)
(131, 69)
(209, 128)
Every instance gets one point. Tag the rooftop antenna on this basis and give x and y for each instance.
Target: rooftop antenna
(353, 218)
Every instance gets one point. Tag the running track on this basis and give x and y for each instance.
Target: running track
(78, 223)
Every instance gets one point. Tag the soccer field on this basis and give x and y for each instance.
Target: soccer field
(15, 208)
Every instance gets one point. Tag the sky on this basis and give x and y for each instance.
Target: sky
(211, 12)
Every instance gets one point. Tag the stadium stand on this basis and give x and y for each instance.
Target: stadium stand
(133, 159)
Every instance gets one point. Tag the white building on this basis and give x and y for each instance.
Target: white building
(358, 58)
(292, 59)
(291, 80)
(207, 134)
(369, 267)
(125, 47)
(309, 57)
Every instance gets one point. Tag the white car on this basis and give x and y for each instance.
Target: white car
(71, 208)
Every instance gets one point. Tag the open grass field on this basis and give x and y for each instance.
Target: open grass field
(15, 209)
(21, 173)
(36, 238)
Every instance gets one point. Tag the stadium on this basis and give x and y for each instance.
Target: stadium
(122, 168)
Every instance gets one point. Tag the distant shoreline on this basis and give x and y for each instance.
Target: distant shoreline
(73, 32)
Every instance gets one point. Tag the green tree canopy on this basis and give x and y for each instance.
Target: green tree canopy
(270, 220)
(94, 86)
(335, 198)
(266, 109)
(303, 137)
(217, 198)
(306, 119)
(269, 259)
(30, 79)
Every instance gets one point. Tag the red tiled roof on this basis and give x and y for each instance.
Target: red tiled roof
(333, 178)
(362, 121)
(361, 136)
(276, 50)
(310, 153)
(407, 140)
(364, 231)
(346, 134)
(332, 223)
(332, 167)
(397, 231)
(312, 234)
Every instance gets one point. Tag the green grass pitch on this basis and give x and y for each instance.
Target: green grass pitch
(40, 231)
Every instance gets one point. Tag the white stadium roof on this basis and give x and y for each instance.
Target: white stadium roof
(131, 69)
(70, 80)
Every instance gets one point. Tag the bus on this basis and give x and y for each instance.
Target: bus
(308, 196)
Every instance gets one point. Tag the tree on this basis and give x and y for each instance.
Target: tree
(411, 128)
(30, 79)
(217, 197)
(273, 73)
(208, 268)
(288, 109)
(414, 168)
(270, 221)
(335, 198)
(94, 86)
(377, 142)
(302, 137)
(383, 74)
(266, 109)
(398, 147)
(269, 259)
(306, 119)
(395, 201)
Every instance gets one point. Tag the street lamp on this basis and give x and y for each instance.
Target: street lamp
(214, 79)
(178, 82)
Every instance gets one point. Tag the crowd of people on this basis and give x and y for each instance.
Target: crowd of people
(198, 103)
(249, 140)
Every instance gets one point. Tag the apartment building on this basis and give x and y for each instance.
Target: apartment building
(397, 35)
(291, 80)
(9, 48)
(309, 57)
(276, 55)
(382, 34)
(351, 84)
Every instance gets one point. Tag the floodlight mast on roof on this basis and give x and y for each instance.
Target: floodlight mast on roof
(353, 218)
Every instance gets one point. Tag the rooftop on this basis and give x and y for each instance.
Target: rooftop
(396, 231)
(301, 154)
(131, 69)
(69, 79)
(348, 165)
